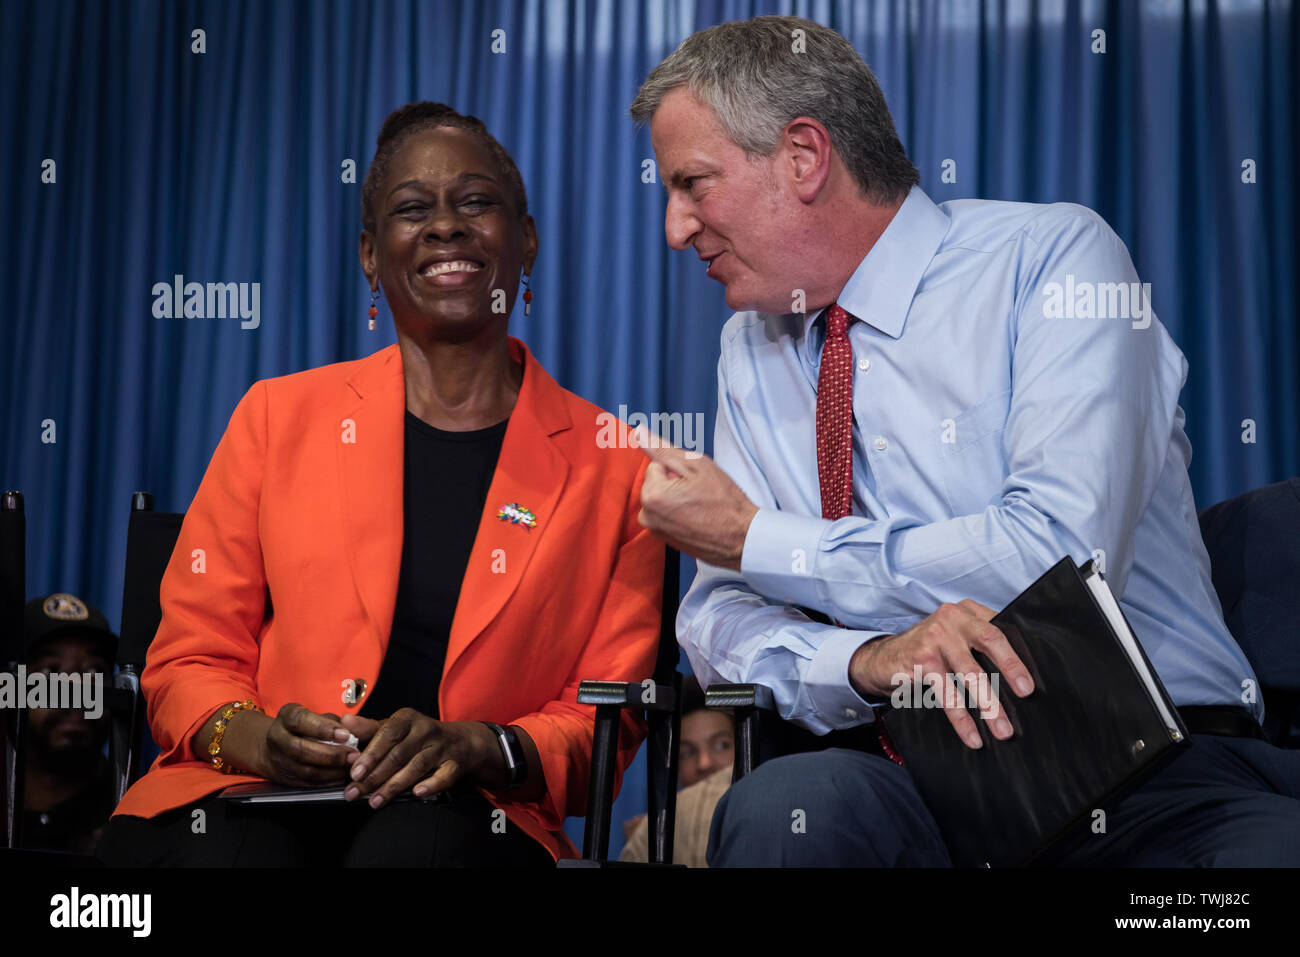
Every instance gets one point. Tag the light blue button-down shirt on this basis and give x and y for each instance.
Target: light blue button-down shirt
(998, 425)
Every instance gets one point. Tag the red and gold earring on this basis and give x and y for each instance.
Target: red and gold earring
(528, 296)
(374, 311)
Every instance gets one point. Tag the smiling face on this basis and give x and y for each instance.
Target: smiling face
(447, 238)
(734, 211)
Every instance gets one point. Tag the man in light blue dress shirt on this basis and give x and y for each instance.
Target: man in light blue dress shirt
(1014, 401)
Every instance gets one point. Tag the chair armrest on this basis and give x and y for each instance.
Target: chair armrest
(642, 695)
(740, 696)
(749, 703)
(659, 701)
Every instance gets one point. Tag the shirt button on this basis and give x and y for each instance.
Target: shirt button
(864, 365)
(850, 713)
(881, 444)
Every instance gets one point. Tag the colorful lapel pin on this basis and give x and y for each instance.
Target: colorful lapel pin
(516, 514)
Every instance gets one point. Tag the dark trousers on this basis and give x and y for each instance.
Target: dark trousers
(1222, 802)
(462, 833)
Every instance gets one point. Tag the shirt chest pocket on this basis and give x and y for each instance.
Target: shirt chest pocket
(970, 455)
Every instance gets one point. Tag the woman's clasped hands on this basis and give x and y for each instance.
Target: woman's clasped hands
(408, 751)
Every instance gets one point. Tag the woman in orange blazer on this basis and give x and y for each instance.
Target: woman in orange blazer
(295, 565)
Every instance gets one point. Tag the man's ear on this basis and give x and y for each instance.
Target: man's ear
(808, 153)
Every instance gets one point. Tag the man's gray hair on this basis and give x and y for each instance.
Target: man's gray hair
(757, 75)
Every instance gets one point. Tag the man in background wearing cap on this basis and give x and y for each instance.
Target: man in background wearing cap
(68, 792)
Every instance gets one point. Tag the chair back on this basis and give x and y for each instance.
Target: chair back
(13, 596)
(1254, 545)
(150, 540)
(662, 710)
(13, 575)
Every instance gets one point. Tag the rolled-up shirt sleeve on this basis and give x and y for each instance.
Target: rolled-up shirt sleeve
(732, 634)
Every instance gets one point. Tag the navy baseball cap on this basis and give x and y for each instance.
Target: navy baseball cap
(61, 615)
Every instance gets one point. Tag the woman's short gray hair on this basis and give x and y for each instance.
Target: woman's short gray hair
(757, 75)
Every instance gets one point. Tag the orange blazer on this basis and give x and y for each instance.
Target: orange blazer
(284, 578)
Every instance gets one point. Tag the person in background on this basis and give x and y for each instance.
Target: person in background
(68, 787)
(704, 759)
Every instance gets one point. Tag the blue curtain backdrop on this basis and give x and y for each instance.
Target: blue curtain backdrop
(228, 166)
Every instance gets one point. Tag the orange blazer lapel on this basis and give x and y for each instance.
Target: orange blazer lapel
(530, 474)
(370, 436)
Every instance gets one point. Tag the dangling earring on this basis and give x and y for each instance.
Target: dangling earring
(374, 295)
(528, 296)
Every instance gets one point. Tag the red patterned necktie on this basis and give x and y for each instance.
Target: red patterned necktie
(835, 438)
(835, 417)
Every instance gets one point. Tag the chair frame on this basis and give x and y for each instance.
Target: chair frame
(658, 697)
(141, 613)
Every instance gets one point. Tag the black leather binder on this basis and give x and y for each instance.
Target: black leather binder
(1097, 723)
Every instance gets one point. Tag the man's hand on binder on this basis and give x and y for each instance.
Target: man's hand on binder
(943, 645)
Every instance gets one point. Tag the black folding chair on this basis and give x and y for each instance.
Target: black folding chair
(151, 537)
(658, 697)
(150, 540)
(761, 734)
(1254, 545)
(13, 596)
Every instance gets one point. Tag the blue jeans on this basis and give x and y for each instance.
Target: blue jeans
(1222, 802)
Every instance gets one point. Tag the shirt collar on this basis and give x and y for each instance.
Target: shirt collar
(881, 289)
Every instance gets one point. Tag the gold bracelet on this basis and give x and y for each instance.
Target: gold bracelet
(219, 732)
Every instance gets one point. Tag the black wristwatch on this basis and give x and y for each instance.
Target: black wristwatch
(512, 751)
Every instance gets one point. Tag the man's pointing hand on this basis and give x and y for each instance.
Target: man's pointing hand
(693, 505)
